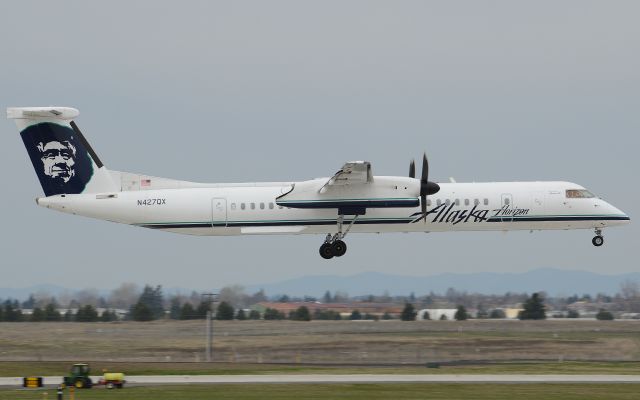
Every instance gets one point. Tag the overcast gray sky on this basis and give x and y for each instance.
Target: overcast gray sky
(232, 91)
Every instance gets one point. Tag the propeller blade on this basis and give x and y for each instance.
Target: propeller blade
(426, 187)
(423, 213)
(425, 168)
(412, 169)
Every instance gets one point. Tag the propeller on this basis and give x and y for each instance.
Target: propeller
(426, 187)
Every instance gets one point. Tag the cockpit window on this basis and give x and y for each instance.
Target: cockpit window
(579, 194)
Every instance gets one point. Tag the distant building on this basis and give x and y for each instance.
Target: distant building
(512, 313)
(344, 309)
(437, 313)
(121, 314)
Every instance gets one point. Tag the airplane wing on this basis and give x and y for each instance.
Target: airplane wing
(352, 190)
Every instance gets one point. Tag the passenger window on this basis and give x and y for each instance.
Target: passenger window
(486, 202)
(253, 206)
(270, 206)
(233, 206)
(438, 202)
(428, 203)
(262, 206)
(457, 202)
(242, 206)
(466, 202)
(506, 201)
(476, 202)
(447, 202)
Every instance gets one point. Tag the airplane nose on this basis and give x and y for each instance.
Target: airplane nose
(625, 218)
(620, 216)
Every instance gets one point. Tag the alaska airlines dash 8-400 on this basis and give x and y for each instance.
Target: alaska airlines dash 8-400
(75, 181)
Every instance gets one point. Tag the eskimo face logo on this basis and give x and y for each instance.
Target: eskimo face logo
(58, 159)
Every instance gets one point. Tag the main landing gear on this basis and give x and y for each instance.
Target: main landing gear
(598, 240)
(334, 246)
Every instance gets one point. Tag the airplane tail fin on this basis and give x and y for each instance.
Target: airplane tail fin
(63, 159)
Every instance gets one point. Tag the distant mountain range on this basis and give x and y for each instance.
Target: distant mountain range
(23, 293)
(553, 281)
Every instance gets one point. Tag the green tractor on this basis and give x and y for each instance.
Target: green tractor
(79, 377)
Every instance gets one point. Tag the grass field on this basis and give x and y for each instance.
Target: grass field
(57, 368)
(340, 342)
(349, 391)
(334, 347)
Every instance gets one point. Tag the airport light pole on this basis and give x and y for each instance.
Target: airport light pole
(209, 344)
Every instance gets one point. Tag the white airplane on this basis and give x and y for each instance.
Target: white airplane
(75, 181)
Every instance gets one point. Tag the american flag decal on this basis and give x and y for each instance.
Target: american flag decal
(145, 182)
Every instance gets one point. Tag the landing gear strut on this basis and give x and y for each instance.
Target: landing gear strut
(334, 246)
(598, 240)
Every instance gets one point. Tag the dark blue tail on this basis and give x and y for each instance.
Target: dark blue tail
(61, 156)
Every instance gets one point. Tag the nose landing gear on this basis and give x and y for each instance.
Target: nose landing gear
(598, 240)
(334, 246)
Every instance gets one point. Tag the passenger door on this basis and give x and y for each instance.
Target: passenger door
(219, 212)
(506, 204)
(537, 203)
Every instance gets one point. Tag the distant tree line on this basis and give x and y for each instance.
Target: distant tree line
(149, 303)
(10, 311)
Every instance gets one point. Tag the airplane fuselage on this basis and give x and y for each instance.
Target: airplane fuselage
(245, 209)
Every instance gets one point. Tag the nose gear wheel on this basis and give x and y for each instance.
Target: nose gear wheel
(598, 240)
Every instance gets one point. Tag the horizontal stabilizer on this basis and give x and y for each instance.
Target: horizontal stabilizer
(63, 113)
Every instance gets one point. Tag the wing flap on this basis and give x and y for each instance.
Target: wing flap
(352, 172)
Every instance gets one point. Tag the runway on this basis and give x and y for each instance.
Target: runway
(350, 378)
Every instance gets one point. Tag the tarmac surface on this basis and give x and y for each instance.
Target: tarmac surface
(349, 378)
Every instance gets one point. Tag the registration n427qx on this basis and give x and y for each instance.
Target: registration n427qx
(75, 181)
